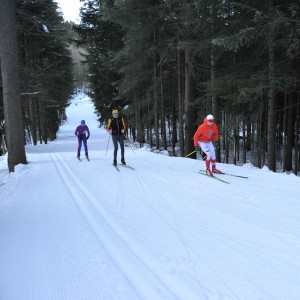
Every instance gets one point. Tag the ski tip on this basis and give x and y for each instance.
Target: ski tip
(126, 166)
(213, 177)
(116, 167)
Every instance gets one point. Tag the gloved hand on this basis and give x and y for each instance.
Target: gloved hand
(87, 137)
(122, 130)
(217, 145)
(197, 148)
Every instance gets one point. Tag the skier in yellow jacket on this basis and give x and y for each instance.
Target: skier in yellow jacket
(117, 128)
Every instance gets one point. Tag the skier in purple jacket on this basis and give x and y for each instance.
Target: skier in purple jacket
(83, 134)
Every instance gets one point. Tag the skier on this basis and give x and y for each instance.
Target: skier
(203, 139)
(83, 134)
(117, 128)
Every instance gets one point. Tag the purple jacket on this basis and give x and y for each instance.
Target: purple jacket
(81, 131)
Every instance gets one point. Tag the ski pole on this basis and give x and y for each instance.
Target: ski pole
(191, 153)
(128, 142)
(107, 144)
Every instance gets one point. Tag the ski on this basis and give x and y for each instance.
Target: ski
(116, 168)
(213, 177)
(222, 173)
(2, 183)
(126, 166)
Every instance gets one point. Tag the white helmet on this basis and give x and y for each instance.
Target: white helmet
(209, 117)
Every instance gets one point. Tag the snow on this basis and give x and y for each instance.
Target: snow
(81, 230)
(45, 28)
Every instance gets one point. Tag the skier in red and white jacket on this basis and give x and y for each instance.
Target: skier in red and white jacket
(203, 139)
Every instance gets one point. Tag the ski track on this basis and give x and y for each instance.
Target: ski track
(158, 284)
(172, 224)
(210, 272)
(206, 267)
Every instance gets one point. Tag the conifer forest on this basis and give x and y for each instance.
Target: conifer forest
(164, 65)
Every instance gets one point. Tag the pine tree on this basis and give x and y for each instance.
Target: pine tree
(46, 67)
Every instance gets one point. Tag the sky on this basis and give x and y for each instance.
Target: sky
(82, 230)
(70, 9)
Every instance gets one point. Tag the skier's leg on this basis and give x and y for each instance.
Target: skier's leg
(85, 147)
(115, 142)
(213, 158)
(206, 149)
(79, 147)
(121, 141)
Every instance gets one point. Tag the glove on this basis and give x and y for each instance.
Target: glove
(197, 148)
(87, 137)
(122, 130)
(217, 145)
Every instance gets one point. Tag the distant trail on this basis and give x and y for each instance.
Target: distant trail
(128, 256)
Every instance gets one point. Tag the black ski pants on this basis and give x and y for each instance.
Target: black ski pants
(120, 139)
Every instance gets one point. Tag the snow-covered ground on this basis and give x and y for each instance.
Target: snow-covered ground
(81, 230)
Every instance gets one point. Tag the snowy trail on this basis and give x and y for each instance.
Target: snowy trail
(119, 245)
(81, 230)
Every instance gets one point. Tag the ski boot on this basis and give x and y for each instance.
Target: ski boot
(215, 170)
(123, 161)
(208, 172)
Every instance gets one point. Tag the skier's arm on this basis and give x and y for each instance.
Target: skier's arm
(88, 132)
(108, 126)
(124, 125)
(197, 136)
(216, 134)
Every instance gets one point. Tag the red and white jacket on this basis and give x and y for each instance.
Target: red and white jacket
(206, 133)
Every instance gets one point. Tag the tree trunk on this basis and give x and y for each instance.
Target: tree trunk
(142, 126)
(235, 143)
(226, 135)
(163, 110)
(33, 126)
(137, 116)
(288, 160)
(180, 106)
(11, 85)
(297, 137)
(155, 99)
(214, 103)
(271, 140)
(189, 109)
(244, 158)
(39, 126)
(149, 123)
(174, 127)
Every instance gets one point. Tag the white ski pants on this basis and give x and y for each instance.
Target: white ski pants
(209, 150)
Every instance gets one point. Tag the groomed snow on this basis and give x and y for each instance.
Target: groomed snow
(81, 230)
